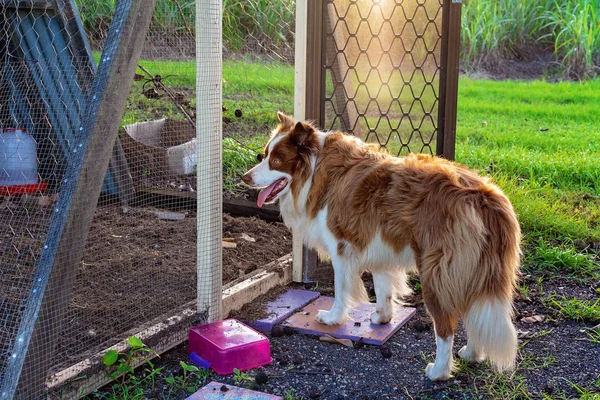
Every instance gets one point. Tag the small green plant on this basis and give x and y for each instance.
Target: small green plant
(122, 364)
(190, 380)
(578, 310)
(594, 335)
(586, 393)
(290, 395)
(240, 377)
(562, 259)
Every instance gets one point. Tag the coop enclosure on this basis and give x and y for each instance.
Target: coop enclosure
(125, 126)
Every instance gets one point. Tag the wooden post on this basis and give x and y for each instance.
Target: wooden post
(209, 157)
(450, 53)
(79, 195)
(309, 92)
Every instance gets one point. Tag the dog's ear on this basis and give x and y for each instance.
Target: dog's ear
(285, 120)
(301, 132)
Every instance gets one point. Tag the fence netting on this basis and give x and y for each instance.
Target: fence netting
(383, 71)
(139, 258)
(151, 249)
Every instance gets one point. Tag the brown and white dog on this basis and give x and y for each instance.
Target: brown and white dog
(370, 211)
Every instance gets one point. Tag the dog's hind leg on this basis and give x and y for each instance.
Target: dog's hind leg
(348, 289)
(445, 325)
(471, 352)
(384, 290)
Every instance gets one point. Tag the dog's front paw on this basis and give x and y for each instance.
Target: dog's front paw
(437, 374)
(329, 317)
(380, 318)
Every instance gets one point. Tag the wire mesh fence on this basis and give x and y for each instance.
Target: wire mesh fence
(151, 247)
(383, 71)
(382, 78)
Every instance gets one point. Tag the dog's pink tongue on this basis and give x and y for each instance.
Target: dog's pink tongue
(262, 196)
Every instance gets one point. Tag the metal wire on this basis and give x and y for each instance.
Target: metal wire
(383, 69)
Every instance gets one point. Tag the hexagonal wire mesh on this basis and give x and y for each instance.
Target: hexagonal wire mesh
(383, 71)
(137, 264)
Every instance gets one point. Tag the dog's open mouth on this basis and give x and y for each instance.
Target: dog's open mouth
(270, 192)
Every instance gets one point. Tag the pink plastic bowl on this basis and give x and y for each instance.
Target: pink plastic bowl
(229, 344)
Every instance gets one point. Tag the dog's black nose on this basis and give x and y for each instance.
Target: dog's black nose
(260, 157)
(247, 179)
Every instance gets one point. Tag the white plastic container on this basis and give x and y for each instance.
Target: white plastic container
(18, 158)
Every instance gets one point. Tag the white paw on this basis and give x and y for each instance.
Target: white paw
(329, 317)
(468, 354)
(379, 318)
(437, 374)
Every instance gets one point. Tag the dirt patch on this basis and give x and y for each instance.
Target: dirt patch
(549, 360)
(272, 240)
(536, 65)
(135, 267)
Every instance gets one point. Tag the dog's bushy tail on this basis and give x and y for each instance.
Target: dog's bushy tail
(490, 329)
(488, 320)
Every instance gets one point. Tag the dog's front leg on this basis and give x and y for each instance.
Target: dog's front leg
(343, 288)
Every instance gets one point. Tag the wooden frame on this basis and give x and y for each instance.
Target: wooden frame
(310, 81)
(309, 89)
(449, 68)
(209, 79)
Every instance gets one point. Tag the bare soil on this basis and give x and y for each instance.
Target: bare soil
(135, 267)
(536, 64)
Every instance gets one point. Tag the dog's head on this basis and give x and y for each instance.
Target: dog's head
(286, 160)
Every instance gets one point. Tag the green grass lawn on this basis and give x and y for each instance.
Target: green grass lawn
(541, 142)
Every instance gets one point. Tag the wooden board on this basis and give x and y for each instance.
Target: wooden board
(113, 83)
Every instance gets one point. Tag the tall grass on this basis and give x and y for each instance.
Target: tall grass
(575, 27)
(257, 19)
(169, 15)
(500, 29)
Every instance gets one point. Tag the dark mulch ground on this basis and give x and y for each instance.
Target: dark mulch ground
(553, 353)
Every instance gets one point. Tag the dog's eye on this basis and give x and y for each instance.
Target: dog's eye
(276, 161)
(260, 157)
